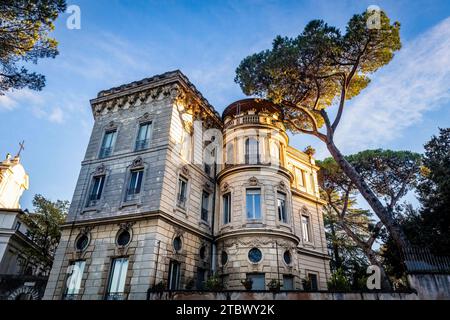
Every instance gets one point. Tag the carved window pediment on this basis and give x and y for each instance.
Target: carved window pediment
(137, 163)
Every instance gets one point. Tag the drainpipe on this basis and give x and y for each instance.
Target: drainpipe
(156, 263)
(213, 215)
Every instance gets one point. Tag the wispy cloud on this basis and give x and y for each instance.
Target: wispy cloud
(416, 81)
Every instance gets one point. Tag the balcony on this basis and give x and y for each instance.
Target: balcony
(105, 152)
(252, 119)
(141, 145)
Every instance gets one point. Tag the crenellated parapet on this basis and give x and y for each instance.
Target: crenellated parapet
(170, 85)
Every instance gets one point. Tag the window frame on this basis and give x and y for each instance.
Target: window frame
(308, 233)
(205, 211)
(138, 144)
(98, 195)
(253, 217)
(250, 156)
(102, 153)
(181, 202)
(122, 277)
(172, 265)
(78, 280)
(226, 200)
(130, 196)
(282, 218)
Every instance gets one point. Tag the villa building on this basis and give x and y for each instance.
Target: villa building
(170, 193)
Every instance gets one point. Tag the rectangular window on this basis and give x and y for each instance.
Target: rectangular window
(306, 229)
(259, 280)
(253, 199)
(281, 205)
(144, 136)
(107, 144)
(174, 275)
(205, 205)
(299, 177)
(182, 192)
(226, 198)
(75, 272)
(312, 277)
(200, 284)
(96, 190)
(18, 224)
(117, 278)
(134, 187)
(288, 282)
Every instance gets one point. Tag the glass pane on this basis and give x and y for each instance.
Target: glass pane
(259, 281)
(288, 283)
(118, 276)
(74, 283)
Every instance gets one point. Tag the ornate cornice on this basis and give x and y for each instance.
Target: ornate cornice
(173, 85)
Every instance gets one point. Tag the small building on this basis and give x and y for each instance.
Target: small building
(20, 277)
(170, 193)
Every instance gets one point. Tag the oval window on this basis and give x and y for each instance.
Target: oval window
(123, 238)
(287, 257)
(82, 242)
(255, 255)
(223, 258)
(177, 244)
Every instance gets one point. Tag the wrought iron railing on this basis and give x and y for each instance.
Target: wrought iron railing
(141, 144)
(132, 194)
(421, 260)
(116, 296)
(105, 152)
(70, 296)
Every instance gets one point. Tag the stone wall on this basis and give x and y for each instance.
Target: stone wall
(431, 286)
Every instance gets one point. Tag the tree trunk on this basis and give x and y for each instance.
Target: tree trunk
(337, 258)
(370, 254)
(383, 214)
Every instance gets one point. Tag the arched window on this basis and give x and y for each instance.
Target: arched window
(251, 151)
(230, 154)
(275, 153)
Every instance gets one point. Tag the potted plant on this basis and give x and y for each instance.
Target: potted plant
(159, 287)
(274, 285)
(247, 283)
(190, 284)
(214, 283)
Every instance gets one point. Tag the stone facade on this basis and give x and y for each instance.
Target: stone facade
(148, 208)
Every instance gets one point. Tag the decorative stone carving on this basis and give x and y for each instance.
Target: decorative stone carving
(208, 186)
(100, 170)
(185, 171)
(137, 163)
(282, 186)
(225, 187)
(253, 181)
(126, 225)
(86, 230)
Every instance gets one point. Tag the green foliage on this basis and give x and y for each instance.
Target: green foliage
(247, 283)
(274, 285)
(45, 228)
(160, 286)
(24, 37)
(434, 194)
(308, 73)
(214, 283)
(190, 284)
(339, 281)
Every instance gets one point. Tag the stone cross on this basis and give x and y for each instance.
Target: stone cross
(22, 147)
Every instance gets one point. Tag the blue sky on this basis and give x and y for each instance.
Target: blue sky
(123, 41)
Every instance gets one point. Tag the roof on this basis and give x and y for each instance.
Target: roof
(152, 81)
(248, 104)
